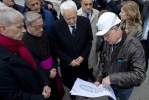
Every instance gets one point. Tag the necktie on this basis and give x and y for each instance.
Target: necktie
(87, 15)
(115, 46)
(73, 31)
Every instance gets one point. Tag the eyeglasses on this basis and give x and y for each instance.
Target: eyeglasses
(38, 27)
(68, 19)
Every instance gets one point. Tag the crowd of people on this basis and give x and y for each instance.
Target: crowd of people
(112, 34)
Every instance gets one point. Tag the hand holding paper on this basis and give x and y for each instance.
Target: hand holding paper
(87, 89)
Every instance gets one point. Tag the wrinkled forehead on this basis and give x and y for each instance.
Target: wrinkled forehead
(69, 12)
(31, 2)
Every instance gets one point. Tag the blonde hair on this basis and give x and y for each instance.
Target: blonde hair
(131, 9)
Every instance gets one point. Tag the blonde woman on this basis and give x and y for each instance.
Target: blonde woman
(131, 19)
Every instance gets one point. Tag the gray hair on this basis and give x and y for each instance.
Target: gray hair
(8, 16)
(68, 5)
(2, 5)
(26, 2)
(31, 16)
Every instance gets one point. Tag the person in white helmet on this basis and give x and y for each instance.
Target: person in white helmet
(122, 64)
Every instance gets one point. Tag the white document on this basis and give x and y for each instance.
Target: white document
(87, 89)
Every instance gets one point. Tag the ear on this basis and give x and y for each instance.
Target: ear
(26, 4)
(2, 28)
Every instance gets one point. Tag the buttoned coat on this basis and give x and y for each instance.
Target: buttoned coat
(93, 59)
(67, 48)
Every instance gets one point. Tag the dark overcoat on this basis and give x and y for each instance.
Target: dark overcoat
(18, 80)
(68, 48)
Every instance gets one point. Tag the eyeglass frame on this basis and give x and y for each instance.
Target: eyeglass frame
(38, 27)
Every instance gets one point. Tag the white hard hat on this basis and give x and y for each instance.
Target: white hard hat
(106, 21)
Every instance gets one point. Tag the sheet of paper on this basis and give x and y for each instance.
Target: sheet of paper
(87, 89)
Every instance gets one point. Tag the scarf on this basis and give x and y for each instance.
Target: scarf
(18, 47)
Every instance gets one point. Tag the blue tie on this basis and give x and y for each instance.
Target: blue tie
(115, 46)
(73, 31)
(87, 15)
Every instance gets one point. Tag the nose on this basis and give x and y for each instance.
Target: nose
(72, 20)
(36, 5)
(41, 28)
(23, 30)
(120, 13)
(88, 6)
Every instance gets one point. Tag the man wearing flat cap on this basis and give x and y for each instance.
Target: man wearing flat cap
(122, 64)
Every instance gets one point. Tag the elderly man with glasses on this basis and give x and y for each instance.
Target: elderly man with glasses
(34, 5)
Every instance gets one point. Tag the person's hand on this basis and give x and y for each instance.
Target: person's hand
(49, 6)
(74, 63)
(143, 0)
(106, 81)
(53, 72)
(46, 95)
(97, 83)
(46, 92)
(79, 59)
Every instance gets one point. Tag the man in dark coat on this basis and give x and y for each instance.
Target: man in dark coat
(36, 39)
(71, 38)
(15, 6)
(20, 77)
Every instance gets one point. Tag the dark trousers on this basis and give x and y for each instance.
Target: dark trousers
(146, 51)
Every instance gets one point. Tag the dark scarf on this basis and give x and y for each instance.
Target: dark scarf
(18, 47)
